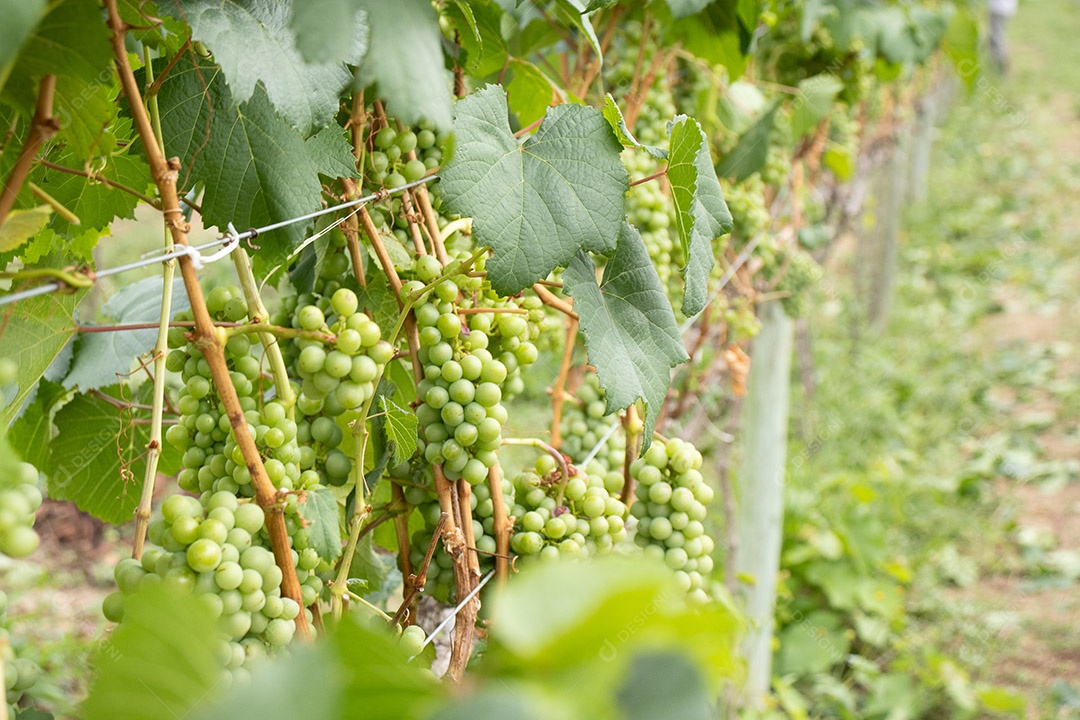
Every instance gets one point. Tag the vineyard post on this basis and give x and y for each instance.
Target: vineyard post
(891, 191)
(761, 491)
(922, 147)
(206, 336)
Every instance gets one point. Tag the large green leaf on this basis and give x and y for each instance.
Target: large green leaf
(72, 42)
(630, 331)
(322, 517)
(32, 431)
(96, 458)
(20, 17)
(701, 215)
(479, 27)
(748, 155)
(256, 168)
(21, 225)
(812, 104)
(100, 357)
(161, 662)
(303, 684)
(377, 677)
(95, 204)
(539, 202)
(329, 30)
(252, 42)
(715, 35)
(664, 684)
(35, 332)
(529, 92)
(406, 60)
(961, 45)
(615, 119)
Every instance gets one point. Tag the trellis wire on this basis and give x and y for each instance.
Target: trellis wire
(230, 237)
(460, 605)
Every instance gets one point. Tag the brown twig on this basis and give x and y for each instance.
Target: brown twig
(206, 339)
(42, 128)
(552, 300)
(503, 526)
(631, 425)
(558, 390)
(415, 583)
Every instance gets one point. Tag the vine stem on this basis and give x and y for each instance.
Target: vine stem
(42, 127)
(632, 428)
(271, 347)
(558, 390)
(161, 350)
(416, 582)
(165, 174)
(649, 178)
(502, 524)
(552, 300)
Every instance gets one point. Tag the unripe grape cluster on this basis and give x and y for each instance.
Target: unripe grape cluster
(388, 159)
(746, 202)
(590, 521)
(218, 549)
(671, 506)
(20, 673)
(467, 365)
(585, 422)
(19, 499)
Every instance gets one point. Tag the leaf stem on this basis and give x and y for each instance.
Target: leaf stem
(42, 128)
(552, 300)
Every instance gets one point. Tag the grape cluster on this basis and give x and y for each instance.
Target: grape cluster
(590, 521)
(389, 156)
(585, 422)
(801, 274)
(672, 498)
(467, 365)
(20, 673)
(217, 548)
(746, 202)
(19, 498)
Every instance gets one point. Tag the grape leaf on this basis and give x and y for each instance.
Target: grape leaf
(20, 18)
(322, 516)
(961, 45)
(715, 35)
(406, 60)
(400, 429)
(539, 202)
(252, 42)
(685, 8)
(529, 92)
(21, 225)
(479, 27)
(305, 683)
(664, 684)
(701, 215)
(748, 155)
(95, 204)
(101, 356)
(815, 98)
(32, 432)
(256, 169)
(36, 331)
(369, 566)
(615, 119)
(97, 458)
(162, 661)
(329, 30)
(377, 676)
(630, 331)
(575, 13)
(71, 42)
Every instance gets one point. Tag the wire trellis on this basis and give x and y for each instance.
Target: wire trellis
(230, 240)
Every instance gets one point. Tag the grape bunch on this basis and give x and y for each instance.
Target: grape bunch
(590, 521)
(746, 201)
(585, 422)
(467, 364)
(20, 673)
(801, 274)
(672, 498)
(389, 158)
(217, 548)
(19, 498)
(649, 210)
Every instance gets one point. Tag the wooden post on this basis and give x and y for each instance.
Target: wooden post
(761, 492)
